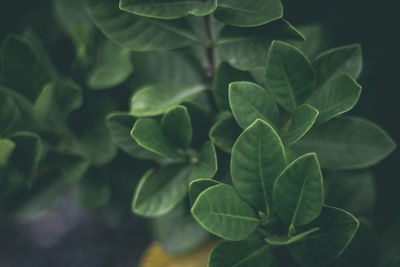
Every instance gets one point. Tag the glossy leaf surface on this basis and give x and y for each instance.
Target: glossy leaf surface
(249, 102)
(221, 211)
(177, 126)
(157, 99)
(289, 75)
(257, 159)
(359, 143)
(298, 191)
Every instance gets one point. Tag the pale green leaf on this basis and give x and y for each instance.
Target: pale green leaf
(6, 149)
(157, 99)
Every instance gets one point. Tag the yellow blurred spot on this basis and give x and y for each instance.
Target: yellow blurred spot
(155, 256)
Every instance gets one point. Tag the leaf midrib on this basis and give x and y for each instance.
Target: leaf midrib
(251, 256)
(234, 216)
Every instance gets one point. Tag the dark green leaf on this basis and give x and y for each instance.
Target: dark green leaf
(198, 186)
(149, 135)
(159, 192)
(224, 133)
(246, 48)
(298, 191)
(302, 120)
(26, 155)
(335, 97)
(241, 254)
(249, 102)
(314, 39)
(157, 99)
(248, 13)
(341, 60)
(57, 100)
(112, 66)
(287, 240)
(353, 191)
(168, 9)
(6, 149)
(119, 126)
(347, 143)
(177, 126)
(9, 112)
(22, 67)
(174, 228)
(289, 75)
(224, 75)
(257, 159)
(337, 229)
(138, 33)
(221, 211)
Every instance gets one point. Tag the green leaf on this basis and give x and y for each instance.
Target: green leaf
(168, 9)
(25, 108)
(337, 229)
(201, 124)
(335, 97)
(119, 125)
(315, 39)
(298, 191)
(6, 149)
(9, 112)
(224, 75)
(198, 186)
(249, 102)
(258, 158)
(289, 75)
(22, 67)
(302, 120)
(221, 211)
(287, 240)
(248, 13)
(138, 33)
(347, 143)
(246, 48)
(159, 192)
(157, 99)
(149, 135)
(341, 60)
(177, 126)
(224, 133)
(174, 228)
(353, 191)
(166, 66)
(241, 254)
(57, 100)
(205, 164)
(112, 67)
(91, 193)
(26, 155)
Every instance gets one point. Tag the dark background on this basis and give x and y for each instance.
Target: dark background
(86, 241)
